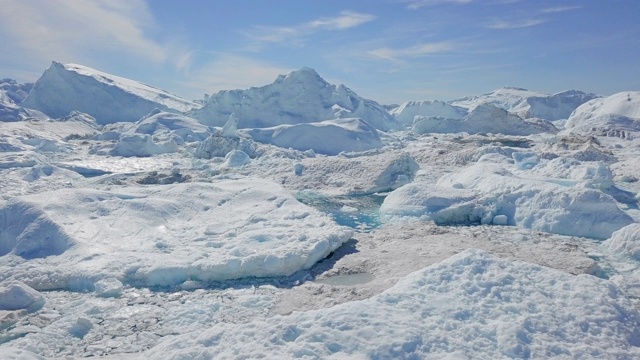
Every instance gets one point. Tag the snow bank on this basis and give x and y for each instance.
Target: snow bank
(301, 96)
(625, 241)
(108, 98)
(17, 296)
(484, 118)
(613, 115)
(162, 235)
(329, 137)
(406, 112)
(469, 306)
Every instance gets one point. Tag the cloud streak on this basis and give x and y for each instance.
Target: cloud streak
(417, 4)
(398, 54)
(507, 25)
(67, 30)
(294, 34)
(558, 9)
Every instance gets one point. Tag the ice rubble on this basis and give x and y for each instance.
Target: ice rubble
(484, 118)
(480, 192)
(329, 137)
(161, 235)
(471, 305)
(615, 115)
(108, 98)
(301, 96)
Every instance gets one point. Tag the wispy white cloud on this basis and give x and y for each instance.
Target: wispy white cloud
(294, 34)
(69, 30)
(398, 54)
(417, 4)
(558, 9)
(229, 71)
(517, 24)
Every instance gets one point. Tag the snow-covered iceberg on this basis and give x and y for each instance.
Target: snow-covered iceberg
(406, 112)
(471, 305)
(108, 98)
(301, 96)
(484, 118)
(615, 115)
(161, 235)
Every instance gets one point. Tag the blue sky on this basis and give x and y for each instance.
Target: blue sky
(386, 50)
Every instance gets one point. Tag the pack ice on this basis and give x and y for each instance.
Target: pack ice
(300, 220)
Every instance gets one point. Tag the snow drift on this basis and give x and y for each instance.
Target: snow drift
(301, 96)
(108, 98)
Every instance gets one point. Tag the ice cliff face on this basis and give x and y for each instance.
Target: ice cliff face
(302, 96)
(108, 98)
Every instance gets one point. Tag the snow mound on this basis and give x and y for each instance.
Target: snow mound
(301, 96)
(471, 305)
(443, 205)
(108, 98)
(406, 112)
(142, 145)
(505, 98)
(17, 296)
(162, 235)
(236, 158)
(552, 107)
(169, 126)
(625, 241)
(614, 114)
(484, 118)
(329, 137)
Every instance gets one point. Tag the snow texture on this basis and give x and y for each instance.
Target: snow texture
(469, 306)
(108, 98)
(329, 137)
(301, 96)
(625, 241)
(162, 235)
